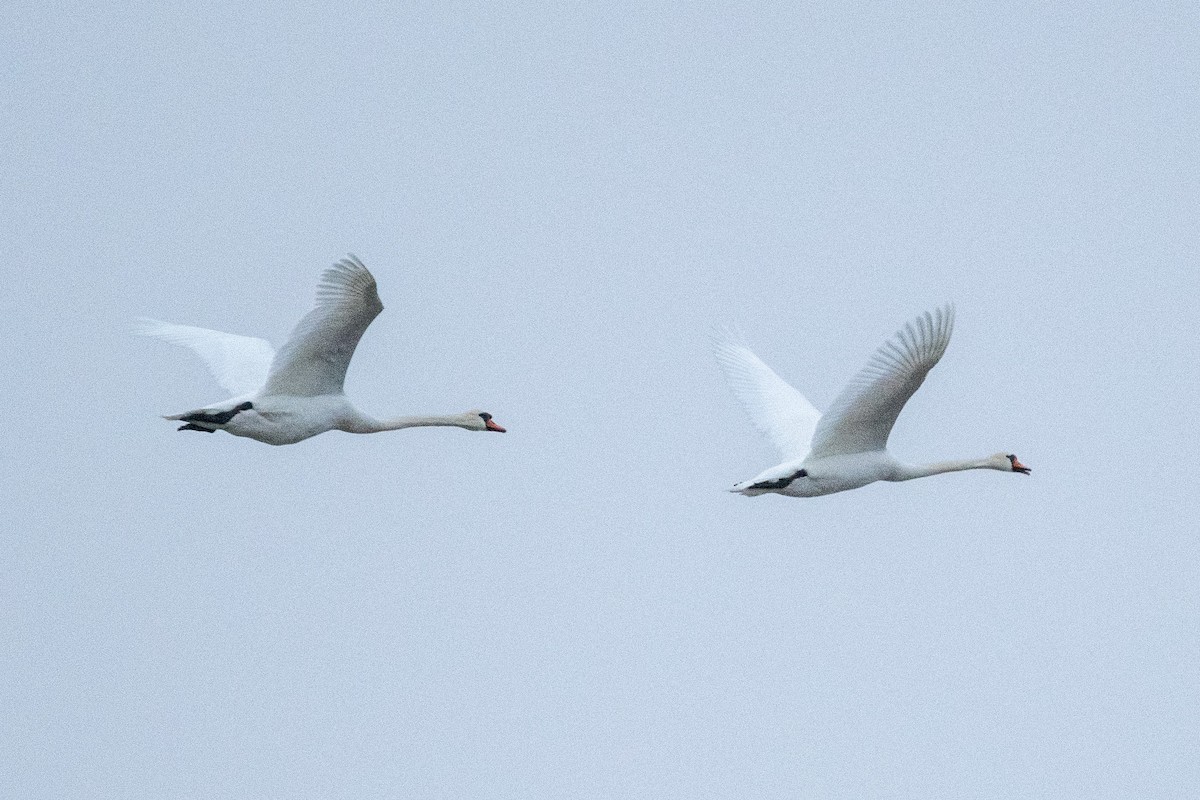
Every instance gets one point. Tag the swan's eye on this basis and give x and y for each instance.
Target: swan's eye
(485, 416)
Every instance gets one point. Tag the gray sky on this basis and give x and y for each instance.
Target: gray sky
(558, 204)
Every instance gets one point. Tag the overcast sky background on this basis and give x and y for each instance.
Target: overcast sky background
(558, 204)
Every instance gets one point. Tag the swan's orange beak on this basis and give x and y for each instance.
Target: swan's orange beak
(1018, 466)
(492, 426)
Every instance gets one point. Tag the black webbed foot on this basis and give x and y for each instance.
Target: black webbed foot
(781, 483)
(216, 419)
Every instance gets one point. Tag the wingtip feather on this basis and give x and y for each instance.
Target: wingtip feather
(146, 326)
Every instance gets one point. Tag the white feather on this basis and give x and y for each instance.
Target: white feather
(315, 357)
(239, 363)
(862, 415)
(776, 409)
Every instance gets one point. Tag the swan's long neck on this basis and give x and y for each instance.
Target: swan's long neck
(365, 424)
(906, 472)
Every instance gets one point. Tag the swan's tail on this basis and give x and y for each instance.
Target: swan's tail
(747, 488)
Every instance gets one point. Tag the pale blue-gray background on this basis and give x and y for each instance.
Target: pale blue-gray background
(558, 202)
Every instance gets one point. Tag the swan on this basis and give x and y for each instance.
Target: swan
(847, 446)
(288, 396)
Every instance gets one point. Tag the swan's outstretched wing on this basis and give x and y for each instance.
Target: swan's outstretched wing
(314, 359)
(862, 416)
(777, 410)
(239, 363)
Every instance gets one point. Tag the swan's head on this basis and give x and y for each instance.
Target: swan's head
(1007, 462)
(481, 421)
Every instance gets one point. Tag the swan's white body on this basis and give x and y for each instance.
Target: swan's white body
(287, 396)
(847, 446)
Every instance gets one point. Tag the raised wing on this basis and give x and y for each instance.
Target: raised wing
(776, 409)
(314, 359)
(862, 416)
(239, 363)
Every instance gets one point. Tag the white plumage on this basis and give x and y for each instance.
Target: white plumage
(847, 446)
(287, 396)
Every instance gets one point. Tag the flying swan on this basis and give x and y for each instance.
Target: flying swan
(847, 446)
(287, 396)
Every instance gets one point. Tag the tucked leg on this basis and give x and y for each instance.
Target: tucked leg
(781, 483)
(216, 419)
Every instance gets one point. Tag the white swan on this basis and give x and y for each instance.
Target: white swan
(847, 447)
(286, 397)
